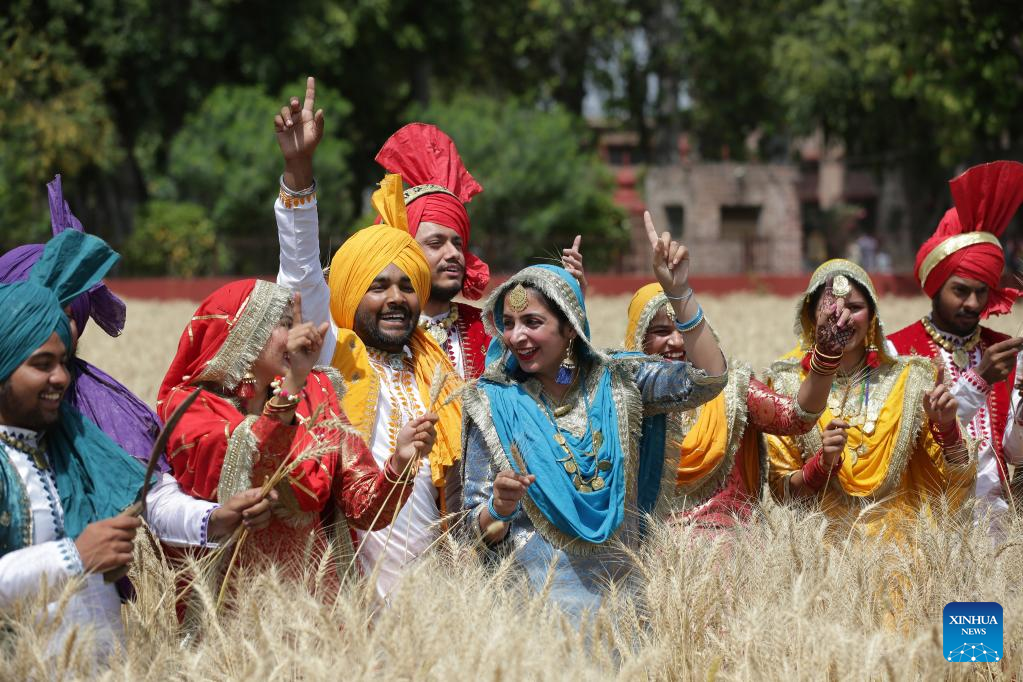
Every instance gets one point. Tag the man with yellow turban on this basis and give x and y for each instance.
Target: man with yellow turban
(396, 374)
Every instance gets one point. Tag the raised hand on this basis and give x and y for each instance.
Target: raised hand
(298, 129)
(834, 439)
(572, 260)
(834, 324)
(939, 404)
(305, 340)
(107, 545)
(248, 507)
(415, 440)
(670, 260)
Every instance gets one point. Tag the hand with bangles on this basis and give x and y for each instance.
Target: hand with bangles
(833, 329)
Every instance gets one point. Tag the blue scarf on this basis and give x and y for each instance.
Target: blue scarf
(95, 478)
(520, 421)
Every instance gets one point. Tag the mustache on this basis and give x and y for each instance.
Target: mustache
(395, 308)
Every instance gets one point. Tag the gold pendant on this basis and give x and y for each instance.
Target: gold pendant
(960, 358)
(598, 440)
(597, 483)
(604, 465)
(577, 481)
(571, 467)
(438, 334)
(868, 428)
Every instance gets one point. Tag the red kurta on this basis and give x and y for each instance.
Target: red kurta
(914, 340)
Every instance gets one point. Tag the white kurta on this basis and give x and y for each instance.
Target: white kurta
(174, 516)
(972, 393)
(383, 553)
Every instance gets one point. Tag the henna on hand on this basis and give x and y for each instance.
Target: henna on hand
(829, 338)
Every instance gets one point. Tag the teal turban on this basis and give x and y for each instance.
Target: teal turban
(96, 479)
(71, 264)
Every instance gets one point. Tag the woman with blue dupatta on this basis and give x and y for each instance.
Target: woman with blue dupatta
(552, 471)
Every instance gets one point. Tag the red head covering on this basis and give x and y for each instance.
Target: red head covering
(966, 241)
(440, 187)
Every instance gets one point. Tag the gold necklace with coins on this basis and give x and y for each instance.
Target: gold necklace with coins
(38, 455)
(583, 484)
(850, 401)
(439, 330)
(960, 351)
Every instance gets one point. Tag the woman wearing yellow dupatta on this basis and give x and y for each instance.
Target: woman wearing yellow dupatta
(889, 435)
(714, 458)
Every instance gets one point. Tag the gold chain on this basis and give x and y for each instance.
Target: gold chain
(960, 352)
(38, 455)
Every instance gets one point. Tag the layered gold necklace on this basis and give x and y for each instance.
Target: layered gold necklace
(960, 351)
(570, 462)
(850, 401)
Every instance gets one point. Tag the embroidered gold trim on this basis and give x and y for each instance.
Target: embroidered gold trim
(413, 193)
(26, 505)
(236, 471)
(786, 377)
(251, 329)
(647, 316)
(950, 246)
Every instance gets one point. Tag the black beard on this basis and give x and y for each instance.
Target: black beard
(15, 414)
(367, 329)
(445, 294)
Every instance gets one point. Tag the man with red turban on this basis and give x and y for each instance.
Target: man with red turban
(426, 158)
(960, 269)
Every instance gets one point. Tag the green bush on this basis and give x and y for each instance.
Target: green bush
(173, 238)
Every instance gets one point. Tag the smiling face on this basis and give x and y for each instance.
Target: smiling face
(445, 253)
(30, 397)
(663, 338)
(388, 313)
(958, 305)
(537, 336)
(860, 315)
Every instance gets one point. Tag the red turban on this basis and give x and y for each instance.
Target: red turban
(440, 187)
(966, 241)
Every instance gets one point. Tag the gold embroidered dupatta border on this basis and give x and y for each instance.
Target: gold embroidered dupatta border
(786, 375)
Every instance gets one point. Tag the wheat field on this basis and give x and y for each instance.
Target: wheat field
(777, 600)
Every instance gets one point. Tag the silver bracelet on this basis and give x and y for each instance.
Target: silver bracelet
(303, 193)
(683, 299)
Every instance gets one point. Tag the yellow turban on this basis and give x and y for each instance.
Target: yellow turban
(354, 267)
(642, 309)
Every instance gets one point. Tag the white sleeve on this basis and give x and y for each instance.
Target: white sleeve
(22, 570)
(298, 231)
(1012, 441)
(971, 391)
(177, 518)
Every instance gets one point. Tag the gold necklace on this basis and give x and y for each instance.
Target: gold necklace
(441, 329)
(961, 351)
(569, 462)
(38, 455)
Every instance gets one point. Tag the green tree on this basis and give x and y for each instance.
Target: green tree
(226, 159)
(540, 184)
(173, 238)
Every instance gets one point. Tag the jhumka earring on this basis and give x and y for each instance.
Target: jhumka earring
(247, 387)
(567, 366)
(873, 355)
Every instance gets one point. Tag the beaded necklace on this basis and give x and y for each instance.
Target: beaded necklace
(38, 455)
(960, 350)
(855, 408)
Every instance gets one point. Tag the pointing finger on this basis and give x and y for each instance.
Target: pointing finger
(577, 243)
(310, 94)
(651, 231)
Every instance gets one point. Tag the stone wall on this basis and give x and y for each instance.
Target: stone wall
(771, 243)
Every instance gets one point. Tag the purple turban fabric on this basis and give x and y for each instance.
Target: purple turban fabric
(105, 401)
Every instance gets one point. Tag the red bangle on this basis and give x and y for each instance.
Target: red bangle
(815, 475)
(949, 436)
